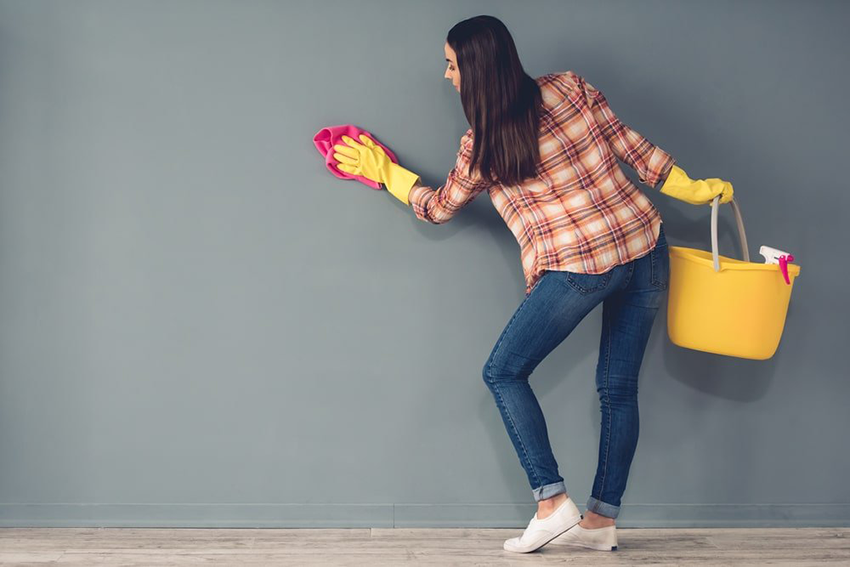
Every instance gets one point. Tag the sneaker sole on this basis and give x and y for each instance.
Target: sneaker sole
(596, 546)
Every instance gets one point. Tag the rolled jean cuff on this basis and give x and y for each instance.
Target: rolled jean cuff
(549, 490)
(602, 508)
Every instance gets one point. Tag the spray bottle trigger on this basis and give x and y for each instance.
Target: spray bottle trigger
(783, 266)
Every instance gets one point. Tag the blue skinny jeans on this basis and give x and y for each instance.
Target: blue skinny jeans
(631, 295)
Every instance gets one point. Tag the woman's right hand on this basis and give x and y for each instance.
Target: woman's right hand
(696, 192)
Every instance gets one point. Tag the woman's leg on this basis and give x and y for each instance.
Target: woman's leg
(558, 302)
(627, 319)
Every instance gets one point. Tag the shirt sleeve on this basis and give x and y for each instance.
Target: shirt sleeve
(649, 161)
(440, 205)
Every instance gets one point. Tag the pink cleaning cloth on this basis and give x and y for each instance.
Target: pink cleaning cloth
(327, 137)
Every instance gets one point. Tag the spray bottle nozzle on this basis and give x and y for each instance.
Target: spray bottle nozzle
(775, 256)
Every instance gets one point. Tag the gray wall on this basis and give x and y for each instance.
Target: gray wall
(202, 327)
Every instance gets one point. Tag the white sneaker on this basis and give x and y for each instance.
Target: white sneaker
(602, 539)
(540, 532)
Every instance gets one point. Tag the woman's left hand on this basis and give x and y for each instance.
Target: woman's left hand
(372, 162)
(367, 159)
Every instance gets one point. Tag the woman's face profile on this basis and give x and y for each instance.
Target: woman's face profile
(452, 72)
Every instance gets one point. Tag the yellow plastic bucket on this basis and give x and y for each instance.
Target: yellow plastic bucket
(726, 306)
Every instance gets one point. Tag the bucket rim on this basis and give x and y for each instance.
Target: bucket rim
(696, 255)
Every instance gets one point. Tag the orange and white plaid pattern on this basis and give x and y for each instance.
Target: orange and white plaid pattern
(581, 213)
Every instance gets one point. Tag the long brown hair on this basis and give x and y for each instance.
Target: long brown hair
(500, 101)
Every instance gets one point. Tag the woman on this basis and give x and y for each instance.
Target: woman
(546, 151)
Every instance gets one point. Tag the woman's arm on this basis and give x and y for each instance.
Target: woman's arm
(440, 205)
(651, 163)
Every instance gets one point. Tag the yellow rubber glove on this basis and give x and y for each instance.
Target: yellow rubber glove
(696, 192)
(371, 161)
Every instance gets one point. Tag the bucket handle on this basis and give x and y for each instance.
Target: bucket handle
(741, 234)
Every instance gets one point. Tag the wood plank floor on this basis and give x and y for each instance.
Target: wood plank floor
(133, 547)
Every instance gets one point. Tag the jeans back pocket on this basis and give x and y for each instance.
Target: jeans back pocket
(589, 283)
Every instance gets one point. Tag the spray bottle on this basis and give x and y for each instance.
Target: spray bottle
(774, 256)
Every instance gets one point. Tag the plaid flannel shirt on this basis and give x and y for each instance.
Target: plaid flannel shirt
(581, 213)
